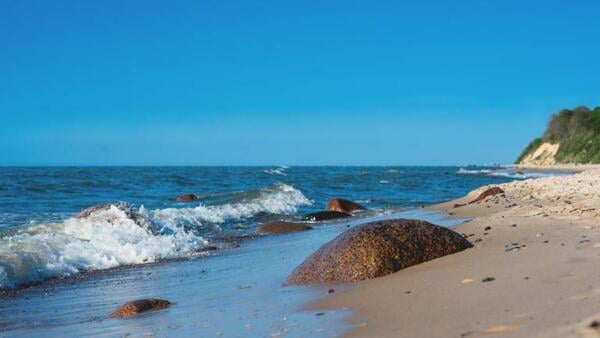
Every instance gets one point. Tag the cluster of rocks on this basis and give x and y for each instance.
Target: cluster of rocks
(336, 208)
(366, 251)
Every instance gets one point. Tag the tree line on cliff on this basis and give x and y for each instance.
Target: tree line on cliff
(578, 132)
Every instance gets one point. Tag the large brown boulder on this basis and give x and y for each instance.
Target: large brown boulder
(187, 198)
(325, 215)
(281, 227)
(376, 249)
(136, 307)
(342, 205)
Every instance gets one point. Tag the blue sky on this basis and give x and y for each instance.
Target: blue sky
(288, 82)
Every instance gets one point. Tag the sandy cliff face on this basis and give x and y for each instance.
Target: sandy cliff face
(543, 155)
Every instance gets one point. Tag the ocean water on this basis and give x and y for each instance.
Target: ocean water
(41, 239)
(61, 275)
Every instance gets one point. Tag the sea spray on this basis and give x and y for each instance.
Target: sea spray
(276, 199)
(110, 237)
(106, 239)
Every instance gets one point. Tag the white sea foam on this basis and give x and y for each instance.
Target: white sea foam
(504, 173)
(276, 171)
(277, 199)
(464, 171)
(107, 238)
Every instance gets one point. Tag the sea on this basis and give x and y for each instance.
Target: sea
(61, 275)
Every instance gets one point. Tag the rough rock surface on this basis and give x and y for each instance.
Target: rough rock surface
(376, 249)
(342, 205)
(281, 227)
(136, 307)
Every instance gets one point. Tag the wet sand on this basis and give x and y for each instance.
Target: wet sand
(238, 293)
(532, 273)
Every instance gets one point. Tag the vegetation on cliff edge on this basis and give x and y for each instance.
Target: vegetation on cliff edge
(578, 132)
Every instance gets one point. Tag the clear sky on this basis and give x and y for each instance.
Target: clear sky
(288, 82)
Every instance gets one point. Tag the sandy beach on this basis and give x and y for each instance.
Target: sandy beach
(532, 271)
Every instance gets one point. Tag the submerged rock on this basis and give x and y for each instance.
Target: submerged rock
(187, 198)
(325, 215)
(126, 208)
(281, 227)
(489, 192)
(376, 249)
(136, 307)
(342, 205)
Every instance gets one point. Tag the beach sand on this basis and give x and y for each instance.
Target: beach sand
(532, 273)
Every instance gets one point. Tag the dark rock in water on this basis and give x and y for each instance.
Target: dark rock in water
(125, 208)
(488, 279)
(376, 249)
(187, 198)
(281, 227)
(343, 205)
(489, 192)
(136, 307)
(487, 228)
(326, 215)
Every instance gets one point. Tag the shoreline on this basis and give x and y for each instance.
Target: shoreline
(531, 272)
(574, 168)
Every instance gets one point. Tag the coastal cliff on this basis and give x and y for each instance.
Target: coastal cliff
(572, 136)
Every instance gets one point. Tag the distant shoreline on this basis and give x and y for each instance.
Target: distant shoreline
(561, 167)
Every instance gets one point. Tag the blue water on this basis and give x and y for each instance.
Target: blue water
(40, 239)
(234, 291)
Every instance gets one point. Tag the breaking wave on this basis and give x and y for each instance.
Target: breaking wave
(110, 237)
(504, 173)
(276, 199)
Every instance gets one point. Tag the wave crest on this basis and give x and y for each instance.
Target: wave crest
(106, 239)
(113, 236)
(277, 199)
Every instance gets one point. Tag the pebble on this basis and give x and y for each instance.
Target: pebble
(467, 280)
(487, 228)
(488, 279)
